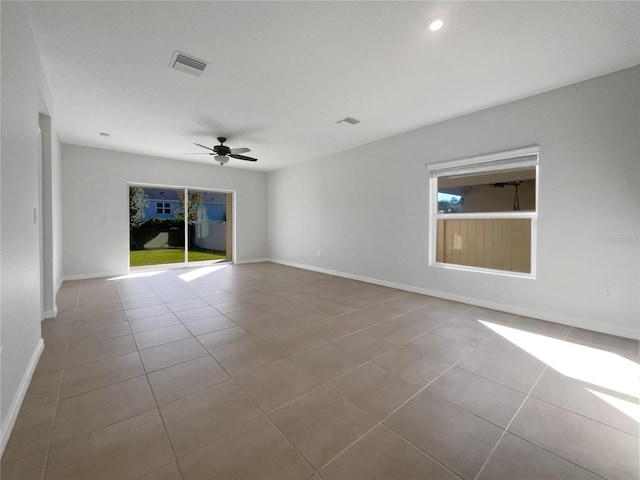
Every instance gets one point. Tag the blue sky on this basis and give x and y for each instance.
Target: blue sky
(446, 197)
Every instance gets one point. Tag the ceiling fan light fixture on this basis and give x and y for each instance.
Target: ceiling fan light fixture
(221, 159)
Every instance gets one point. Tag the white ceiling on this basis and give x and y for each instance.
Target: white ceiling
(282, 74)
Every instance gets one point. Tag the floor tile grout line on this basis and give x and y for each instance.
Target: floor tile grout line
(270, 420)
(164, 426)
(88, 432)
(326, 383)
(381, 422)
(364, 329)
(394, 348)
(582, 467)
(55, 415)
(535, 444)
(145, 475)
(102, 386)
(365, 362)
(637, 437)
(121, 420)
(231, 379)
(146, 374)
(475, 348)
(506, 429)
(51, 445)
(213, 357)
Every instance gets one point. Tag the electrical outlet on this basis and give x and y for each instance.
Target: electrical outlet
(318, 253)
(399, 264)
(607, 291)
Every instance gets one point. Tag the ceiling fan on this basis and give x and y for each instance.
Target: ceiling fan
(222, 153)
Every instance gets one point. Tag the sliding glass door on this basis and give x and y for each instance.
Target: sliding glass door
(156, 227)
(178, 225)
(207, 226)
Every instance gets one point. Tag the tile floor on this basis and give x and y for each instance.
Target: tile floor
(268, 372)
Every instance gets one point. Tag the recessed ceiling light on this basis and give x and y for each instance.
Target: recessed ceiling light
(104, 134)
(435, 24)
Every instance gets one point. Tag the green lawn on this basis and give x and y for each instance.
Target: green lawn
(138, 258)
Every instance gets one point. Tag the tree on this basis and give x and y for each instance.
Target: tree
(137, 204)
(443, 206)
(195, 200)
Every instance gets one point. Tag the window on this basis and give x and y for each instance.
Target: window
(163, 207)
(483, 213)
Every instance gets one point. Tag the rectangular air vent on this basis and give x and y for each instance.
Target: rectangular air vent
(187, 64)
(349, 120)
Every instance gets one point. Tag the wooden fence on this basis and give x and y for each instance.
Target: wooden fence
(501, 244)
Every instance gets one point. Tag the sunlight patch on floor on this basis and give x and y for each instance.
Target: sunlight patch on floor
(630, 409)
(136, 275)
(588, 364)
(200, 272)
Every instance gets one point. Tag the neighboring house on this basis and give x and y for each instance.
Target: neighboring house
(215, 211)
(165, 203)
(161, 203)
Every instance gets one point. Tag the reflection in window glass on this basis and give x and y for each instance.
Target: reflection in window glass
(500, 191)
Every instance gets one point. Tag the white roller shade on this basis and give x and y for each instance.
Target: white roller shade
(516, 159)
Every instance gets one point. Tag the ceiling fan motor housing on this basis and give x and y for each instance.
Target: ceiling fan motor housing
(222, 153)
(222, 150)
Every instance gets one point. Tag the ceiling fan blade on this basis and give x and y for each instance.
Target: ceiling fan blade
(242, 157)
(236, 151)
(196, 153)
(208, 148)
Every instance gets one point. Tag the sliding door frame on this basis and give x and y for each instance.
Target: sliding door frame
(229, 195)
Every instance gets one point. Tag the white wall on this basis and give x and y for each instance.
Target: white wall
(24, 91)
(96, 231)
(366, 209)
(56, 209)
(51, 215)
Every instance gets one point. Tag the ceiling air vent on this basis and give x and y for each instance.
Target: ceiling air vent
(349, 120)
(187, 64)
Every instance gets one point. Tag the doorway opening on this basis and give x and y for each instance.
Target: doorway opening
(179, 226)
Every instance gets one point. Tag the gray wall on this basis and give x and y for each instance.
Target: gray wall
(365, 210)
(51, 215)
(96, 232)
(24, 95)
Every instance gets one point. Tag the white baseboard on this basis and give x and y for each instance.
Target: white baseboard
(53, 313)
(12, 415)
(515, 309)
(87, 276)
(252, 260)
(59, 284)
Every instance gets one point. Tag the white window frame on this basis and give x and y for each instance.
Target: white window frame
(520, 158)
